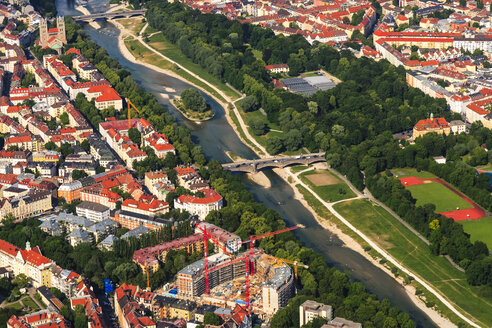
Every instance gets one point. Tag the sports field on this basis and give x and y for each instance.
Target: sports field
(435, 193)
(480, 229)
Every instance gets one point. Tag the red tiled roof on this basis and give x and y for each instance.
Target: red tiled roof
(429, 123)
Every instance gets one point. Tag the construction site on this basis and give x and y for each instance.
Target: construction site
(260, 282)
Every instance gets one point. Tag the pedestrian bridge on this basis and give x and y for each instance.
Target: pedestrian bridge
(114, 15)
(272, 162)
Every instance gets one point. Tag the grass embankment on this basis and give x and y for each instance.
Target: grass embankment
(241, 132)
(329, 187)
(162, 45)
(480, 229)
(412, 253)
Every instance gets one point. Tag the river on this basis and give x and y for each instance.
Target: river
(216, 137)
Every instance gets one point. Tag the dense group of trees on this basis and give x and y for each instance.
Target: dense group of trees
(193, 100)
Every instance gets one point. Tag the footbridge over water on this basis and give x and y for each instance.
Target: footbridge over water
(114, 15)
(271, 162)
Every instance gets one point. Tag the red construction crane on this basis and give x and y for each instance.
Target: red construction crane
(249, 257)
(206, 237)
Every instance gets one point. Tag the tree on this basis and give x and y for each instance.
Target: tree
(463, 3)
(64, 118)
(193, 100)
(135, 135)
(78, 174)
(247, 104)
(293, 140)
(274, 145)
(85, 145)
(211, 318)
(257, 125)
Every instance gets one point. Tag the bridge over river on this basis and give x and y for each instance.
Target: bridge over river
(114, 15)
(277, 161)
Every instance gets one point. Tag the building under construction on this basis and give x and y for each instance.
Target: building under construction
(271, 284)
(221, 269)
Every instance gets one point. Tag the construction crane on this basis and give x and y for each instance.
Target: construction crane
(206, 237)
(294, 263)
(130, 112)
(249, 257)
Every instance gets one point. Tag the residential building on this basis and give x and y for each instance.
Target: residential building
(148, 258)
(341, 323)
(41, 319)
(132, 220)
(312, 309)
(35, 202)
(457, 127)
(225, 238)
(199, 206)
(70, 191)
(101, 195)
(146, 205)
(277, 68)
(93, 211)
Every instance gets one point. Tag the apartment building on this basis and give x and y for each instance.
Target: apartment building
(35, 202)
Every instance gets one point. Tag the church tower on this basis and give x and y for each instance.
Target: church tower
(43, 33)
(60, 24)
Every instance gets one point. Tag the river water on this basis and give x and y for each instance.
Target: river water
(216, 137)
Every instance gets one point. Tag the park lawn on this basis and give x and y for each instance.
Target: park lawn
(487, 167)
(30, 303)
(329, 192)
(175, 54)
(480, 229)
(15, 306)
(414, 254)
(435, 193)
(409, 172)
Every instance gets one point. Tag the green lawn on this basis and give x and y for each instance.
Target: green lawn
(296, 169)
(329, 193)
(480, 229)
(40, 301)
(411, 252)
(161, 44)
(408, 172)
(15, 306)
(316, 205)
(30, 303)
(437, 194)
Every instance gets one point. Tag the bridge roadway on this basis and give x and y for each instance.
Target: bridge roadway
(277, 161)
(117, 14)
